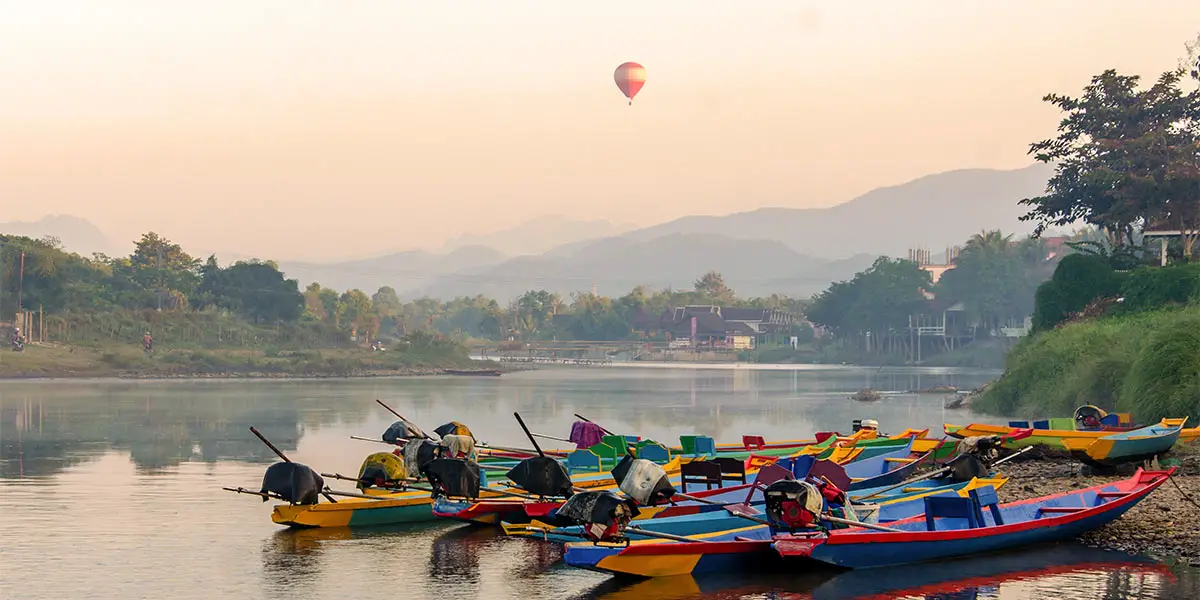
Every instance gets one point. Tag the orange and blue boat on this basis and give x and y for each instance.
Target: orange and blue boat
(939, 533)
(1128, 446)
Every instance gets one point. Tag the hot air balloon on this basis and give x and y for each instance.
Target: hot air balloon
(630, 78)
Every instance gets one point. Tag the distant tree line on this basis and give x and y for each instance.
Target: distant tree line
(992, 284)
(160, 275)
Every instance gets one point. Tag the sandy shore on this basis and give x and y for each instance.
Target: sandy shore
(1165, 525)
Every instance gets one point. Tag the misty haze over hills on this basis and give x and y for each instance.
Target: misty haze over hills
(76, 234)
(783, 250)
(538, 235)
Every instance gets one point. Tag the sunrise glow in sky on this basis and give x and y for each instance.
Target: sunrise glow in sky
(259, 126)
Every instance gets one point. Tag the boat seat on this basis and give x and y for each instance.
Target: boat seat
(1111, 494)
(1019, 424)
(951, 507)
(1041, 424)
(700, 472)
(753, 442)
(732, 469)
(899, 460)
(985, 496)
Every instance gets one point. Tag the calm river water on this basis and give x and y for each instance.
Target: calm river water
(111, 489)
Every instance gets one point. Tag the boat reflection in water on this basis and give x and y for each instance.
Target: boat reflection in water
(1062, 572)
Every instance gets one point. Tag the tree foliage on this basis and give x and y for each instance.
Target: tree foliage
(1124, 157)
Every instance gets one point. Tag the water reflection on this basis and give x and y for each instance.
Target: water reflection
(46, 427)
(1066, 571)
(138, 467)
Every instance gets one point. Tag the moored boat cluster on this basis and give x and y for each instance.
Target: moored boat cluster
(628, 505)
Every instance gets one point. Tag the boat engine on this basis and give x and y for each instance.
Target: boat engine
(983, 447)
(294, 482)
(418, 454)
(966, 467)
(642, 480)
(381, 469)
(542, 476)
(793, 505)
(453, 477)
(602, 514)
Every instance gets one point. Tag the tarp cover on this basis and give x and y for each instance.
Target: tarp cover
(459, 446)
(598, 506)
(297, 483)
(454, 428)
(965, 467)
(586, 434)
(644, 481)
(417, 454)
(381, 467)
(454, 477)
(542, 476)
(402, 430)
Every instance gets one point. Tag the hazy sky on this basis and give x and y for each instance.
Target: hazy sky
(306, 129)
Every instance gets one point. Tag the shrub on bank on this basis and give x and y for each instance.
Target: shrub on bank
(1144, 363)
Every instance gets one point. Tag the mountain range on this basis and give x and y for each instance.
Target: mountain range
(763, 251)
(76, 234)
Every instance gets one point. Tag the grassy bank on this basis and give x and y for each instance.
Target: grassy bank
(1146, 363)
(130, 361)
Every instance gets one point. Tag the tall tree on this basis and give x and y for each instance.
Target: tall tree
(711, 287)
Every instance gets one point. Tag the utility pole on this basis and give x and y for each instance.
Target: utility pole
(160, 277)
(21, 281)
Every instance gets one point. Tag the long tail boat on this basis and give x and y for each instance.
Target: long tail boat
(895, 508)
(1127, 446)
(1047, 437)
(919, 539)
(989, 527)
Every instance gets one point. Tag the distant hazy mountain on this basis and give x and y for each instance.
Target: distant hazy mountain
(538, 235)
(76, 234)
(402, 270)
(931, 212)
(750, 267)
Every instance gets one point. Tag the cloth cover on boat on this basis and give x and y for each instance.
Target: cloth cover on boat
(542, 476)
(966, 467)
(454, 428)
(454, 477)
(381, 466)
(596, 506)
(417, 454)
(402, 430)
(297, 483)
(459, 446)
(644, 481)
(585, 434)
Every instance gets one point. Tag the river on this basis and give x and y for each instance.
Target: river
(111, 489)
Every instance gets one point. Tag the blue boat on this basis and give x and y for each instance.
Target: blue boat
(875, 472)
(953, 527)
(1127, 446)
(950, 527)
(897, 508)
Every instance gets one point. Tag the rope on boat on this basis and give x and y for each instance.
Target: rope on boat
(1183, 493)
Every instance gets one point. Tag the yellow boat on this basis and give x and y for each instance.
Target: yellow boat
(1047, 437)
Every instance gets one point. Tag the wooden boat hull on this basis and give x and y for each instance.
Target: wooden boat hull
(1128, 446)
(725, 551)
(858, 548)
(1045, 437)
(407, 507)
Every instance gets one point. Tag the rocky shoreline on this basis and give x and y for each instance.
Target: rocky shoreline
(1164, 526)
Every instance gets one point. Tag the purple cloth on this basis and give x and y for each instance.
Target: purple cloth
(585, 435)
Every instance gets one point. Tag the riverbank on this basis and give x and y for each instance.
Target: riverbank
(62, 362)
(1164, 526)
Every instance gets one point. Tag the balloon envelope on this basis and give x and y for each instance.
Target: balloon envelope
(630, 78)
